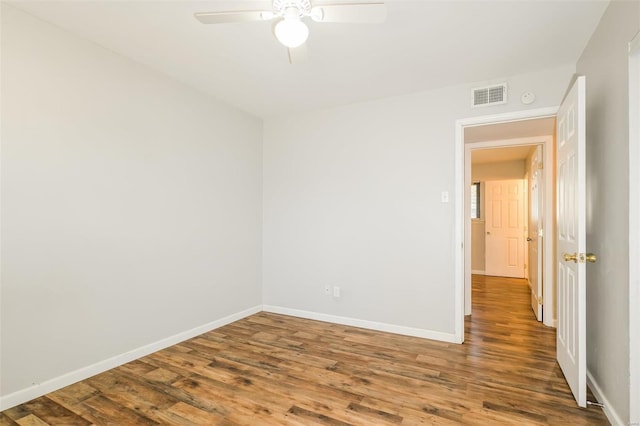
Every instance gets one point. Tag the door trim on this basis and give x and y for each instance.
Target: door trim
(462, 257)
(634, 229)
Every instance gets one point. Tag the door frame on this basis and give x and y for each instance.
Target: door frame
(540, 216)
(462, 261)
(634, 229)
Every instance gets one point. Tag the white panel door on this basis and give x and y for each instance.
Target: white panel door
(535, 232)
(570, 160)
(504, 227)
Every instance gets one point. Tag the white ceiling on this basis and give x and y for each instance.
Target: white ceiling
(422, 45)
(499, 155)
(510, 130)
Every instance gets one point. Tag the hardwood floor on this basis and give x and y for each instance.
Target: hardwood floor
(272, 369)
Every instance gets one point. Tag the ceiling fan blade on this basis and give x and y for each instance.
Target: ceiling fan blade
(350, 13)
(298, 54)
(231, 17)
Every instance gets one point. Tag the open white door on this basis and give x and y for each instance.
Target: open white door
(571, 257)
(536, 184)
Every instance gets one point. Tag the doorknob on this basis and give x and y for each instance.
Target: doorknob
(571, 257)
(529, 239)
(589, 257)
(488, 233)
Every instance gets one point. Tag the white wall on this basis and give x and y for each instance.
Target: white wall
(605, 64)
(478, 241)
(352, 198)
(502, 170)
(131, 205)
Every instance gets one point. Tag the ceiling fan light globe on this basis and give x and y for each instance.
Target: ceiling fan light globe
(291, 32)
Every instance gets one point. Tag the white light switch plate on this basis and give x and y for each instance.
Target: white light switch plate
(444, 197)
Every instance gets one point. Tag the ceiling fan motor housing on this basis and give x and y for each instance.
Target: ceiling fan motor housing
(289, 7)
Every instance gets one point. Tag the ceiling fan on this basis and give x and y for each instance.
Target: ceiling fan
(289, 28)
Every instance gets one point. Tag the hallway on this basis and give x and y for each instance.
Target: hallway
(518, 354)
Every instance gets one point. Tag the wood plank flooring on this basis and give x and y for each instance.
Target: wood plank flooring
(272, 369)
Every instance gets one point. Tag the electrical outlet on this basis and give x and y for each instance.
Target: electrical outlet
(336, 291)
(327, 290)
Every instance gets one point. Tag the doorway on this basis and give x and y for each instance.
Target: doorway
(518, 148)
(501, 131)
(498, 186)
(498, 139)
(507, 215)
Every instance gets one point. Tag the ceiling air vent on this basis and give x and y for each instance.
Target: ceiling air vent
(490, 95)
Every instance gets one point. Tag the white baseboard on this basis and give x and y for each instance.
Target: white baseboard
(613, 417)
(37, 390)
(477, 272)
(371, 325)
